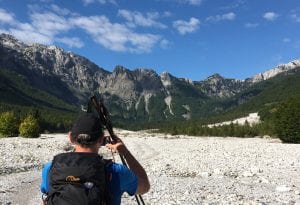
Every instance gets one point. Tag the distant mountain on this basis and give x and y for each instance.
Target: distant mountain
(217, 86)
(266, 94)
(284, 68)
(140, 95)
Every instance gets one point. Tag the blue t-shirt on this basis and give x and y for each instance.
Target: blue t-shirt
(123, 180)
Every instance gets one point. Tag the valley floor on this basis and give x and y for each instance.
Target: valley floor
(181, 169)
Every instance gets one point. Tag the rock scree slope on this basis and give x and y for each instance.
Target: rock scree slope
(181, 169)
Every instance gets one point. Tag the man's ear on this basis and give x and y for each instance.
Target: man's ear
(70, 138)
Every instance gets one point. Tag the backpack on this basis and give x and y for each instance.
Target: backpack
(78, 179)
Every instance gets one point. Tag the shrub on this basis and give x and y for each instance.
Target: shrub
(29, 128)
(8, 124)
(287, 121)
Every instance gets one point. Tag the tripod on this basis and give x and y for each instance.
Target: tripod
(105, 119)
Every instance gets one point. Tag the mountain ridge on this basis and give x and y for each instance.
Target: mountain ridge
(140, 94)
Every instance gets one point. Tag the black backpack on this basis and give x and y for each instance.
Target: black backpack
(78, 179)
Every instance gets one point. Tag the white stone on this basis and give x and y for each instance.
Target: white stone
(204, 174)
(252, 119)
(217, 171)
(181, 169)
(168, 101)
(247, 174)
(282, 188)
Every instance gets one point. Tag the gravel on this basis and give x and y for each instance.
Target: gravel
(181, 169)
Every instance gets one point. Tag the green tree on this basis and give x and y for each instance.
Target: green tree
(8, 125)
(29, 128)
(287, 121)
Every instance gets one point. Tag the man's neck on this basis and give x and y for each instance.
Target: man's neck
(93, 149)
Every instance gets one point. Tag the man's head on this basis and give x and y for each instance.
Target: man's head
(87, 130)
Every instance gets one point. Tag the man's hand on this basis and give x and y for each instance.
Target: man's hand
(134, 165)
(118, 146)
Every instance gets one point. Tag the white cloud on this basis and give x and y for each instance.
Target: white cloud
(43, 28)
(114, 36)
(270, 16)
(295, 18)
(31, 36)
(164, 43)
(3, 31)
(71, 42)
(87, 2)
(286, 40)
(194, 2)
(60, 11)
(167, 14)
(47, 27)
(184, 27)
(233, 5)
(138, 19)
(46, 1)
(191, 2)
(49, 23)
(6, 17)
(111, 2)
(251, 25)
(228, 16)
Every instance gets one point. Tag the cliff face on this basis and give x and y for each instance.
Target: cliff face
(217, 86)
(51, 68)
(284, 68)
(137, 94)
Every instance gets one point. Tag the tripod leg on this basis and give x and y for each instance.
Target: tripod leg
(137, 199)
(141, 198)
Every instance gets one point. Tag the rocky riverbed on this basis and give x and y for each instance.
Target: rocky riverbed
(181, 169)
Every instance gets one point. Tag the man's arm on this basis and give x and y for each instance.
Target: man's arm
(134, 165)
(44, 187)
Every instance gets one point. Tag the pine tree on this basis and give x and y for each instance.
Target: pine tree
(8, 124)
(29, 128)
(287, 121)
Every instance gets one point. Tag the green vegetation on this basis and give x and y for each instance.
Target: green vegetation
(282, 121)
(198, 129)
(261, 97)
(29, 128)
(19, 96)
(287, 121)
(8, 124)
(55, 114)
(156, 108)
(271, 99)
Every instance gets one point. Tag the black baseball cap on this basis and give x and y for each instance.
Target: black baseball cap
(88, 124)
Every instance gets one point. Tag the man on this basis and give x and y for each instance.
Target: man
(66, 176)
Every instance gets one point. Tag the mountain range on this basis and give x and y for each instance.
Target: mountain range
(50, 78)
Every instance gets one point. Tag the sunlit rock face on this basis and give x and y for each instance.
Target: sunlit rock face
(132, 93)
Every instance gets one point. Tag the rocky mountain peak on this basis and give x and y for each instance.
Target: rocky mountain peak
(216, 75)
(275, 71)
(145, 71)
(166, 79)
(120, 69)
(218, 86)
(214, 78)
(68, 75)
(11, 42)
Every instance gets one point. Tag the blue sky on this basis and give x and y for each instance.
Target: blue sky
(188, 38)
